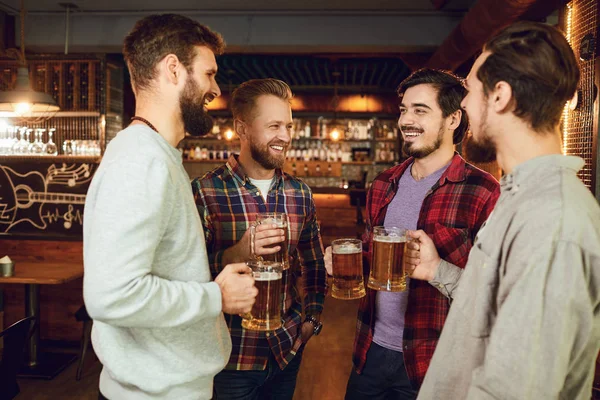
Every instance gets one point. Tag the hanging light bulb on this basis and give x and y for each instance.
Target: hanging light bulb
(228, 134)
(23, 102)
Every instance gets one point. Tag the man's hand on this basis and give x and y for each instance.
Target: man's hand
(264, 235)
(307, 330)
(328, 260)
(421, 256)
(237, 288)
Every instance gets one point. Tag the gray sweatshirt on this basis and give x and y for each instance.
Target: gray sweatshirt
(525, 316)
(158, 327)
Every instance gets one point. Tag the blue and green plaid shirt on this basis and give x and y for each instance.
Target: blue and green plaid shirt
(228, 203)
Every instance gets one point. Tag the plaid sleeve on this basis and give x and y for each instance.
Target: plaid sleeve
(214, 257)
(310, 249)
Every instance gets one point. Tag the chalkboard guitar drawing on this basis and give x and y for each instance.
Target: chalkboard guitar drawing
(22, 196)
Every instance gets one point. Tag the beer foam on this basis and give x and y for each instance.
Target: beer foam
(346, 250)
(390, 239)
(279, 223)
(267, 276)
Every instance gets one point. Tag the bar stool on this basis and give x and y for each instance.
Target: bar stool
(83, 316)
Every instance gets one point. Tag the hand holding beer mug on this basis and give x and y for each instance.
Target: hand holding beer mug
(237, 288)
(388, 269)
(264, 240)
(421, 257)
(266, 311)
(347, 268)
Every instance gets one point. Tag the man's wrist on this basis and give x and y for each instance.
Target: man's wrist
(434, 270)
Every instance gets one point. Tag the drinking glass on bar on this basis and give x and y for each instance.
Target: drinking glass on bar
(281, 220)
(347, 265)
(388, 271)
(266, 311)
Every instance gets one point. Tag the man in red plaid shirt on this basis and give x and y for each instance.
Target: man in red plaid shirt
(264, 364)
(434, 190)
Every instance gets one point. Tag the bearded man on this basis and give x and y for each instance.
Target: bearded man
(158, 329)
(434, 190)
(264, 364)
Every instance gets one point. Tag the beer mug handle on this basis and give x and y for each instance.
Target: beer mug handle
(411, 240)
(252, 239)
(252, 235)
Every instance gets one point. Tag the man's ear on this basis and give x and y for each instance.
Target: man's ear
(502, 97)
(455, 119)
(240, 128)
(170, 68)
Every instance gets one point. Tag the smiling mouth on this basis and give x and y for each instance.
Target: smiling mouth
(412, 135)
(277, 148)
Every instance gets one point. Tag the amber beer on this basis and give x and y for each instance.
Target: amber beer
(388, 272)
(281, 220)
(348, 282)
(266, 311)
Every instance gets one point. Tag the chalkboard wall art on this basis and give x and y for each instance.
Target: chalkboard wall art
(43, 200)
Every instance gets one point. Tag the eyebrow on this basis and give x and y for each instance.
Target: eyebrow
(417, 105)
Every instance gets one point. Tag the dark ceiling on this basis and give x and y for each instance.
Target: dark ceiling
(314, 73)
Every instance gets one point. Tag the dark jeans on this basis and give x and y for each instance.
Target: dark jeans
(383, 377)
(272, 383)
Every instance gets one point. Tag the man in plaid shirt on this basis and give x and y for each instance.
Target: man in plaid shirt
(263, 365)
(434, 190)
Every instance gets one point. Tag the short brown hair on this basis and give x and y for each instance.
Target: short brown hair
(450, 93)
(243, 98)
(156, 36)
(537, 62)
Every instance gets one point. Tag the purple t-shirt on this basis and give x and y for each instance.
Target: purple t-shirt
(403, 212)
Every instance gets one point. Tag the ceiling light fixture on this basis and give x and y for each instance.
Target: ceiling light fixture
(24, 103)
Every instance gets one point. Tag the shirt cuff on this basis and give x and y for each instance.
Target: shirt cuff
(215, 298)
(447, 278)
(313, 303)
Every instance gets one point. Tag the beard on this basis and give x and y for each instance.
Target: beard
(481, 150)
(409, 147)
(196, 120)
(265, 159)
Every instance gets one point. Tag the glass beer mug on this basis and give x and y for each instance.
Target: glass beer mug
(388, 271)
(281, 220)
(266, 311)
(347, 265)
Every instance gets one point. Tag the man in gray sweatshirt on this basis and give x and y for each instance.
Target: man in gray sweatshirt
(159, 329)
(525, 316)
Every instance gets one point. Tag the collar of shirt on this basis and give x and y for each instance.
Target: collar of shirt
(237, 172)
(524, 171)
(454, 173)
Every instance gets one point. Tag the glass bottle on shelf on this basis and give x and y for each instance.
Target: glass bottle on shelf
(83, 85)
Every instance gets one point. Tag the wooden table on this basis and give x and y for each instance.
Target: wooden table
(33, 274)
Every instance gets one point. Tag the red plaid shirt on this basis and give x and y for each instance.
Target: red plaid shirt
(228, 203)
(452, 213)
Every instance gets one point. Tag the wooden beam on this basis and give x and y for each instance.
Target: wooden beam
(439, 4)
(484, 19)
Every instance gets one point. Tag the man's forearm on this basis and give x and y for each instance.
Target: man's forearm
(234, 254)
